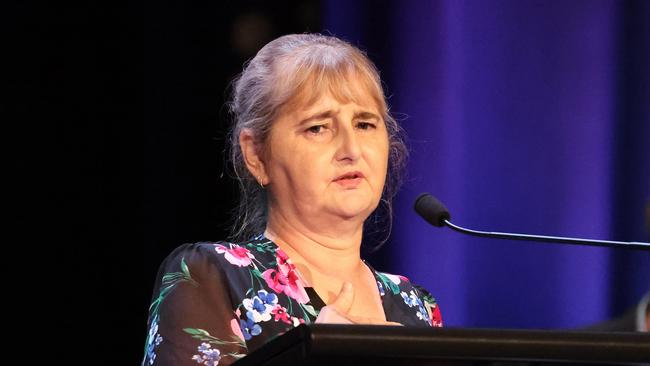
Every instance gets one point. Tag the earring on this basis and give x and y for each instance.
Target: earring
(259, 181)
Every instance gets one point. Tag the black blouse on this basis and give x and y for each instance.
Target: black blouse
(215, 302)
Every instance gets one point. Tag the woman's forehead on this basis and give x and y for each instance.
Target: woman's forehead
(350, 90)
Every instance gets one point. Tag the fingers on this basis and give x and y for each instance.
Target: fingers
(329, 315)
(344, 300)
(371, 321)
(339, 310)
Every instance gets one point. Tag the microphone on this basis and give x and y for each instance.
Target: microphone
(435, 213)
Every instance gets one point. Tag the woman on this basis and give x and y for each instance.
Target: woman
(315, 151)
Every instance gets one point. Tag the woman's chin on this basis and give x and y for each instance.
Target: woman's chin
(354, 210)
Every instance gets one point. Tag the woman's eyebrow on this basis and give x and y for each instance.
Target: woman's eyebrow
(366, 115)
(330, 114)
(318, 116)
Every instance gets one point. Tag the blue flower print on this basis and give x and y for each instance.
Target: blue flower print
(409, 300)
(154, 340)
(259, 307)
(413, 300)
(249, 328)
(267, 298)
(422, 312)
(207, 355)
(381, 289)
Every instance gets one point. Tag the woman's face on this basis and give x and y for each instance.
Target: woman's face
(328, 159)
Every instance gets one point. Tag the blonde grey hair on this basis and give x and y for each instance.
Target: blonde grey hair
(305, 65)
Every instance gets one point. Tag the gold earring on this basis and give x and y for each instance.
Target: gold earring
(259, 181)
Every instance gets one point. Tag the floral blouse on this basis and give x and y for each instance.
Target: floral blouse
(215, 302)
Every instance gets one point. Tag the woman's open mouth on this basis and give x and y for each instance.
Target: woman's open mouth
(350, 179)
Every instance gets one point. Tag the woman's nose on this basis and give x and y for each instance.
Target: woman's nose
(349, 148)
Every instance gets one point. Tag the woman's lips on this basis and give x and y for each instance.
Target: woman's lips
(349, 182)
(350, 179)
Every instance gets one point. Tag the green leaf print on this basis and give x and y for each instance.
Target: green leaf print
(388, 283)
(205, 336)
(310, 309)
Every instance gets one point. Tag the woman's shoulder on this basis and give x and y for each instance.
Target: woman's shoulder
(412, 294)
(225, 255)
(212, 264)
(396, 283)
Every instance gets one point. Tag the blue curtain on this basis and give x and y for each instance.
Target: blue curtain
(524, 116)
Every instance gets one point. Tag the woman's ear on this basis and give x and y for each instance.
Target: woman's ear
(253, 158)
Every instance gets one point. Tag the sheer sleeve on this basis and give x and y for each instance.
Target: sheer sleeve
(191, 318)
(431, 306)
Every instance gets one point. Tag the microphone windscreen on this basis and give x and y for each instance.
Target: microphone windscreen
(431, 210)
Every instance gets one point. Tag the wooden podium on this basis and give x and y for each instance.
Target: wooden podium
(359, 345)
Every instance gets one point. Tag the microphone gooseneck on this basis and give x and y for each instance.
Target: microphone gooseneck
(435, 213)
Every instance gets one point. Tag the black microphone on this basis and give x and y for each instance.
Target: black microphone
(435, 213)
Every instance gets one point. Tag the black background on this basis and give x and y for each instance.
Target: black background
(116, 136)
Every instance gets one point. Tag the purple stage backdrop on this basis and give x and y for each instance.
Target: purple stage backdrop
(524, 116)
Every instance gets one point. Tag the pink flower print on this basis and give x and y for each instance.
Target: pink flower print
(295, 288)
(274, 280)
(284, 265)
(436, 318)
(281, 257)
(236, 255)
(280, 313)
(285, 279)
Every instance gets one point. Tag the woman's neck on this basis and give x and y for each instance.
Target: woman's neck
(335, 254)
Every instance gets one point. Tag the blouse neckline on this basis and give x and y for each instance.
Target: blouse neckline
(315, 299)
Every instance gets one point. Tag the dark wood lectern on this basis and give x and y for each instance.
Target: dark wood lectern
(358, 345)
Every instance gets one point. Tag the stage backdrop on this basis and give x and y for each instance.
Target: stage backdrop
(525, 116)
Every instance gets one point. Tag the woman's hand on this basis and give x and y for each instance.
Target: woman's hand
(338, 312)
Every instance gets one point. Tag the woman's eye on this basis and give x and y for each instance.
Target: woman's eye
(366, 125)
(316, 129)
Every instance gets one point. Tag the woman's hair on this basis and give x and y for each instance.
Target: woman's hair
(302, 66)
